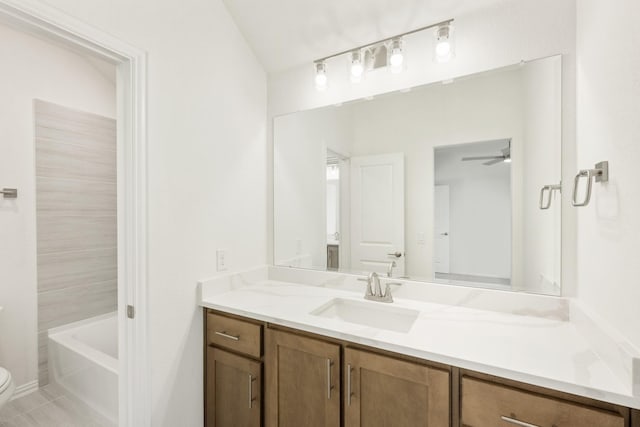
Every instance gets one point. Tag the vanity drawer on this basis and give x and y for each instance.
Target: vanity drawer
(234, 334)
(485, 404)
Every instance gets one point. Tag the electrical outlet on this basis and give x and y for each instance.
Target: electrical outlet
(221, 260)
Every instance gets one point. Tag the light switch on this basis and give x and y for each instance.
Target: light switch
(422, 238)
(221, 259)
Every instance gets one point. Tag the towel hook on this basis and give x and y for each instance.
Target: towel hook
(600, 173)
(550, 189)
(9, 193)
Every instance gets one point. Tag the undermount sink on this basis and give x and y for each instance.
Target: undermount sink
(372, 314)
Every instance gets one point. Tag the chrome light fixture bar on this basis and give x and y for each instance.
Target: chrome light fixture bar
(388, 39)
(395, 54)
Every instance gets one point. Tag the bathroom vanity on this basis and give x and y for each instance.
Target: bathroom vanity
(279, 353)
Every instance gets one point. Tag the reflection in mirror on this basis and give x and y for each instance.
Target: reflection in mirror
(472, 213)
(335, 162)
(440, 183)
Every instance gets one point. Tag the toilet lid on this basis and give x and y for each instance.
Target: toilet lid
(5, 379)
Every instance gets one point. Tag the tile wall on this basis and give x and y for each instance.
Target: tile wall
(76, 218)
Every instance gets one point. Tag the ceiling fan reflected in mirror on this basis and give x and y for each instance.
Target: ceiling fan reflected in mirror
(492, 160)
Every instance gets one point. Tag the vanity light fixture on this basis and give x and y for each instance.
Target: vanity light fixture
(357, 66)
(320, 75)
(444, 45)
(395, 55)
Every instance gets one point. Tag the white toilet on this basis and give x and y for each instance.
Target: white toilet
(6, 384)
(6, 387)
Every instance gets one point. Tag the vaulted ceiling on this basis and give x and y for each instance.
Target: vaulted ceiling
(286, 33)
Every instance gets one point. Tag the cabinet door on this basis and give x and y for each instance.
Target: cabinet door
(303, 381)
(383, 391)
(233, 390)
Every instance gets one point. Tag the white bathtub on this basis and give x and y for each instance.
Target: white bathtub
(83, 359)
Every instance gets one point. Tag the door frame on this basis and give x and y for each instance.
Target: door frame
(42, 20)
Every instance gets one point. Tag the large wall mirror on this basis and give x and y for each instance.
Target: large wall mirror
(455, 182)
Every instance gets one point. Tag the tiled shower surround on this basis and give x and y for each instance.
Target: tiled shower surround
(76, 218)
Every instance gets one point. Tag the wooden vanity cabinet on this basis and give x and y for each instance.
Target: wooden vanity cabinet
(302, 381)
(233, 372)
(314, 381)
(384, 391)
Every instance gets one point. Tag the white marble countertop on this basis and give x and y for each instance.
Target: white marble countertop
(542, 351)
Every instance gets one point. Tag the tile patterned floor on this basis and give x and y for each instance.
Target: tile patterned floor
(51, 407)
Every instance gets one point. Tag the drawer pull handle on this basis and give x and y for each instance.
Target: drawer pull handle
(517, 422)
(349, 392)
(329, 386)
(251, 398)
(226, 335)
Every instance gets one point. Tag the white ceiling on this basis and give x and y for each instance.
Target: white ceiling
(286, 33)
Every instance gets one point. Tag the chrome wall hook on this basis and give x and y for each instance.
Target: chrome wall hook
(599, 174)
(546, 204)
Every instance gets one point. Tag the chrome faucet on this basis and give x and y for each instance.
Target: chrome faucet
(374, 289)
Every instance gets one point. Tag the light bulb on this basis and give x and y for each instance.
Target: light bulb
(444, 47)
(396, 55)
(396, 59)
(321, 76)
(507, 159)
(357, 68)
(321, 81)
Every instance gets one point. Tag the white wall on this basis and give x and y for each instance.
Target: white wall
(486, 39)
(206, 172)
(608, 87)
(480, 208)
(32, 68)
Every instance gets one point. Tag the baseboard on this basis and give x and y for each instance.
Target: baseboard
(25, 389)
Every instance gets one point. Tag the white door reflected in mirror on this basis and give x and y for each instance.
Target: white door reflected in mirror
(377, 213)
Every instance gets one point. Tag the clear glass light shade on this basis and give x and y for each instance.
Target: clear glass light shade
(396, 55)
(444, 43)
(356, 67)
(321, 79)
